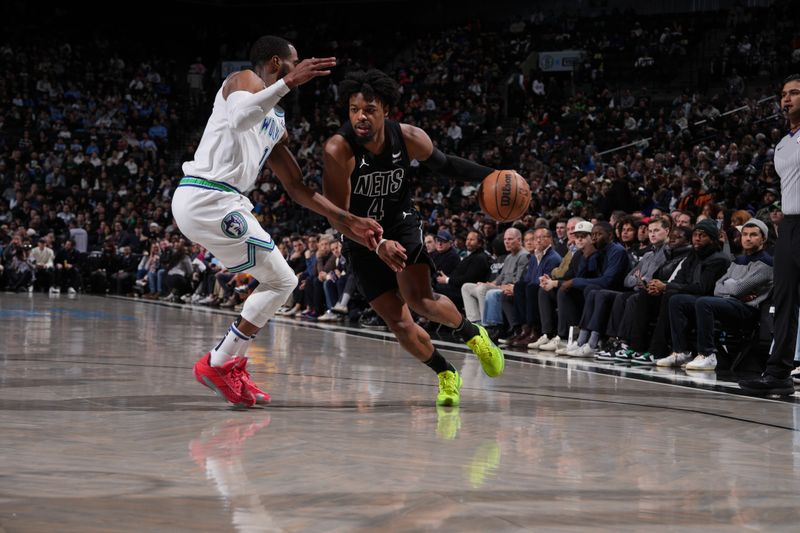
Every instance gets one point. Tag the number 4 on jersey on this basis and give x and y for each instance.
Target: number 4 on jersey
(376, 209)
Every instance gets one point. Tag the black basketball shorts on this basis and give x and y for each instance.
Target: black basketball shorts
(374, 277)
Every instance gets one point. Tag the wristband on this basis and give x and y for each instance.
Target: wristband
(378, 248)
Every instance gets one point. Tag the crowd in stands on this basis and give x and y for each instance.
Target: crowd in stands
(619, 245)
(760, 43)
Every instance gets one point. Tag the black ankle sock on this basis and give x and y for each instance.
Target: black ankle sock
(466, 330)
(438, 363)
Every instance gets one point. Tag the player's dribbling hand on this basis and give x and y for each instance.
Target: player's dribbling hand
(308, 69)
(393, 254)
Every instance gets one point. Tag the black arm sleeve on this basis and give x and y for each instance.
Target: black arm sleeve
(452, 165)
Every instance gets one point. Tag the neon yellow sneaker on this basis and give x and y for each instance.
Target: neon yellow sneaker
(490, 356)
(449, 388)
(448, 422)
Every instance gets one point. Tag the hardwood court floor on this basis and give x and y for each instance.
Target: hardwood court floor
(103, 428)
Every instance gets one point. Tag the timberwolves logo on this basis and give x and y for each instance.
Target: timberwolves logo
(234, 225)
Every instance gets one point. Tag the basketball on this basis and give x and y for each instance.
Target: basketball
(504, 195)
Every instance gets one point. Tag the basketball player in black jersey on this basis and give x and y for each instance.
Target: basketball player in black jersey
(366, 167)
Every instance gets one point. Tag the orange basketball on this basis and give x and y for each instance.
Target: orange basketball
(504, 195)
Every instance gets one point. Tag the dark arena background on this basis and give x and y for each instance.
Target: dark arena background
(630, 300)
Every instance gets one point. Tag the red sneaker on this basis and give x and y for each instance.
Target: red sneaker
(260, 396)
(225, 380)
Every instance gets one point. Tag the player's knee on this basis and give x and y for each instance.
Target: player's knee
(277, 276)
(422, 306)
(287, 281)
(401, 328)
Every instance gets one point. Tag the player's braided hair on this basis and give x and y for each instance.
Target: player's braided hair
(372, 84)
(267, 47)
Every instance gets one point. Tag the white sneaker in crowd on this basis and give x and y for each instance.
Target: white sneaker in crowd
(293, 311)
(537, 344)
(552, 345)
(582, 352)
(329, 316)
(702, 362)
(565, 349)
(340, 308)
(676, 359)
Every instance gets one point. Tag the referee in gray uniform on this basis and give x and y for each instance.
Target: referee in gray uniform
(786, 291)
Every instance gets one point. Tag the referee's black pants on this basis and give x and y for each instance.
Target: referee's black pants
(786, 296)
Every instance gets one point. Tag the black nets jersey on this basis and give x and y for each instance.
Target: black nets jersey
(379, 184)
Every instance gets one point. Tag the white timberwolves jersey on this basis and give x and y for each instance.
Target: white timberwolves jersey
(232, 157)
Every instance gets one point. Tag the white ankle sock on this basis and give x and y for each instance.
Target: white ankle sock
(345, 299)
(243, 346)
(229, 346)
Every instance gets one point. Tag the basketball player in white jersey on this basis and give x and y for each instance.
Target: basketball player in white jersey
(245, 131)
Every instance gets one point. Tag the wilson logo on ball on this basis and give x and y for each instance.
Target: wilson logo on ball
(505, 199)
(504, 195)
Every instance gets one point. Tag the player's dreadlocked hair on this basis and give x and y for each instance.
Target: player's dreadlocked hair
(267, 47)
(372, 84)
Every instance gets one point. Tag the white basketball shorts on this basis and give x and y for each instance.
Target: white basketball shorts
(220, 218)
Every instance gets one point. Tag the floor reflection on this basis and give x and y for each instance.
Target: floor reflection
(220, 449)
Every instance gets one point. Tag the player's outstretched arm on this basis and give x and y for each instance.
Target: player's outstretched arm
(421, 148)
(365, 231)
(249, 100)
(308, 69)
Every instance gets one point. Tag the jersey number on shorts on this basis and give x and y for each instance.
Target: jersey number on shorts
(376, 209)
